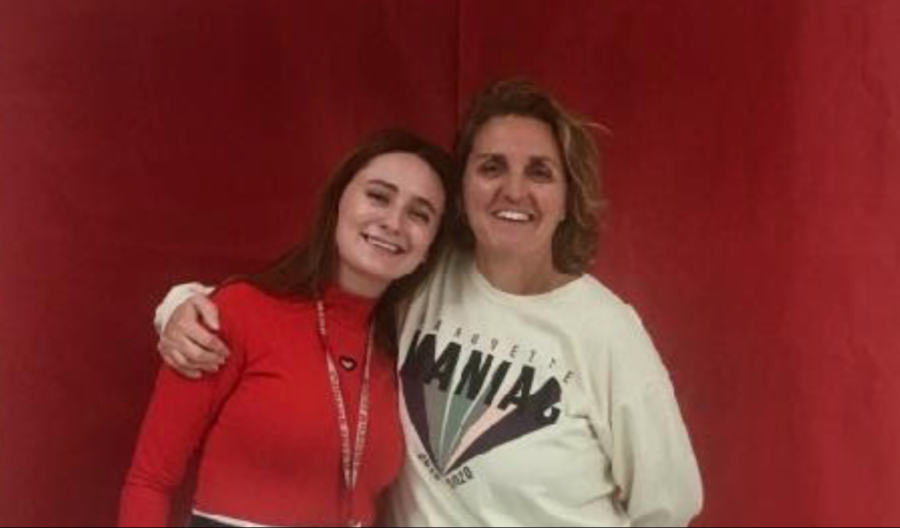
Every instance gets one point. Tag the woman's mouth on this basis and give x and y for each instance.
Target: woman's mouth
(516, 217)
(383, 245)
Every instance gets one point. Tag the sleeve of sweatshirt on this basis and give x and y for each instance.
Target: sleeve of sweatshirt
(653, 462)
(175, 298)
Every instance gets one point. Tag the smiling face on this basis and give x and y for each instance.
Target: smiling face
(515, 190)
(389, 217)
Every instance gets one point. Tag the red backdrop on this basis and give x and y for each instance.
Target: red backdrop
(755, 218)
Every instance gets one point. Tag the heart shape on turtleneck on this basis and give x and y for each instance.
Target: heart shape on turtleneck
(348, 363)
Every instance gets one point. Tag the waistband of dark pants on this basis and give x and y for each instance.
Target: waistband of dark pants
(198, 521)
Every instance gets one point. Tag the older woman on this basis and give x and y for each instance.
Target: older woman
(531, 394)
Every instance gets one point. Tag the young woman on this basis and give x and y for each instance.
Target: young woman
(301, 425)
(531, 394)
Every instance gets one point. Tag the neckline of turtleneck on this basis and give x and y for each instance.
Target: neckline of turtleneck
(346, 306)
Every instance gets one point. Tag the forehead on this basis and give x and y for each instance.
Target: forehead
(408, 173)
(517, 136)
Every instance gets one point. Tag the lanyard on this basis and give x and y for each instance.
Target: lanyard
(351, 458)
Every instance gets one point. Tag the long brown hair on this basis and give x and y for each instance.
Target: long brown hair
(305, 271)
(575, 242)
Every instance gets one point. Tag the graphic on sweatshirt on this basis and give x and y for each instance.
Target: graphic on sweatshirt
(469, 399)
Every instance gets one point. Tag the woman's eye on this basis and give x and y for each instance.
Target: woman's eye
(379, 198)
(424, 218)
(490, 169)
(542, 175)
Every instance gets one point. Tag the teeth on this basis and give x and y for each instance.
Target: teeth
(514, 216)
(387, 246)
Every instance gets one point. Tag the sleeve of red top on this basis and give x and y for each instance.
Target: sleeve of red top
(179, 415)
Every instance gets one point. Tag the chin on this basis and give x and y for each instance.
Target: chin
(517, 246)
(384, 272)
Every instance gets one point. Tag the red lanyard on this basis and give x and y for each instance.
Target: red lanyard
(351, 459)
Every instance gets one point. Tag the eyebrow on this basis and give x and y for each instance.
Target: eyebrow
(382, 183)
(540, 159)
(396, 190)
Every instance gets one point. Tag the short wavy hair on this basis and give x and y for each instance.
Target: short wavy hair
(576, 240)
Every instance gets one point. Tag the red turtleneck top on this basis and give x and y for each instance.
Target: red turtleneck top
(265, 426)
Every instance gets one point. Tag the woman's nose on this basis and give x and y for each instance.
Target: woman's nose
(392, 219)
(514, 189)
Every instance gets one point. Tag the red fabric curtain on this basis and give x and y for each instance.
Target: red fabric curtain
(753, 171)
